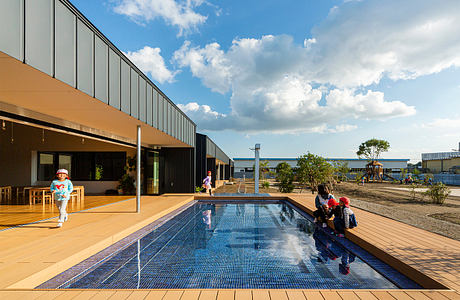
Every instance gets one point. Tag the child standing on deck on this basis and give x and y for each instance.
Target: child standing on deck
(61, 188)
(207, 183)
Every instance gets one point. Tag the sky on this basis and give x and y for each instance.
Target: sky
(300, 76)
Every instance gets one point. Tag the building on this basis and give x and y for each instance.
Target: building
(244, 166)
(70, 98)
(442, 162)
(209, 157)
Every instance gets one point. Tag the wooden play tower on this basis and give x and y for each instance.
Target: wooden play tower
(374, 171)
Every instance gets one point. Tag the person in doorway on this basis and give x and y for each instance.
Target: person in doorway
(207, 183)
(61, 188)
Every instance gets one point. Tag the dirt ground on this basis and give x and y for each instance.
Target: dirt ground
(390, 200)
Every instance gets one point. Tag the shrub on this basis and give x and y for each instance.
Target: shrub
(265, 184)
(438, 193)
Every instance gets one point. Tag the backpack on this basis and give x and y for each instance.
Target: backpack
(353, 223)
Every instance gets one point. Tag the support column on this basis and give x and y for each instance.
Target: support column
(256, 171)
(138, 171)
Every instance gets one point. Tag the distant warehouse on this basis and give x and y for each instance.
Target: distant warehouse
(245, 166)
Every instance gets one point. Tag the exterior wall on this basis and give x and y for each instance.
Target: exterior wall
(59, 41)
(201, 161)
(178, 167)
(18, 160)
(437, 166)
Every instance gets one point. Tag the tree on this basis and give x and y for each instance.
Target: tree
(313, 170)
(263, 169)
(342, 169)
(285, 177)
(371, 149)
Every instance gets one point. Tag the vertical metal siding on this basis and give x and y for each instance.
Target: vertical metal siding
(65, 45)
(85, 52)
(134, 93)
(114, 79)
(125, 87)
(101, 70)
(165, 115)
(142, 100)
(155, 108)
(160, 113)
(11, 28)
(149, 105)
(39, 35)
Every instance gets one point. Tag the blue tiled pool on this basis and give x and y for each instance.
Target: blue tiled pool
(234, 245)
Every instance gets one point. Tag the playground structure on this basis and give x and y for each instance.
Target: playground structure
(374, 171)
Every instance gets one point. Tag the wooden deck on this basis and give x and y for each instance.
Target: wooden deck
(31, 254)
(16, 215)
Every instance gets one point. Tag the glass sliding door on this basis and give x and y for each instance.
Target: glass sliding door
(152, 172)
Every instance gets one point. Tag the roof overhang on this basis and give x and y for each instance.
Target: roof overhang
(28, 92)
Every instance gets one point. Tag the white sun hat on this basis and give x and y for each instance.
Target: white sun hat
(62, 171)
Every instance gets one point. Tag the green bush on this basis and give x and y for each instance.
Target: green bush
(438, 193)
(285, 177)
(265, 184)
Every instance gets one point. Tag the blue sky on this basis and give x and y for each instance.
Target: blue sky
(297, 76)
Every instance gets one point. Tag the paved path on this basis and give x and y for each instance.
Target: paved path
(453, 191)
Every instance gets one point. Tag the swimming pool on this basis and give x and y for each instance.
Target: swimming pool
(260, 245)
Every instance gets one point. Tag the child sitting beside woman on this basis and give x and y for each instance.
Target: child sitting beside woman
(343, 216)
(321, 202)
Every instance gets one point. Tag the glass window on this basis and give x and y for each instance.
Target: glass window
(85, 166)
(65, 162)
(46, 166)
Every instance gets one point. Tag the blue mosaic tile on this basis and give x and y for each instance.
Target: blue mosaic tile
(257, 245)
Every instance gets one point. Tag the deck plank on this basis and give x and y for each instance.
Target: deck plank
(400, 295)
(383, 295)
(365, 295)
(138, 295)
(278, 295)
(155, 295)
(173, 295)
(295, 295)
(189, 295)
(260, 295)
(243, 295)
(120, 295)
(226, 295)
(348, 295)
(208, 295)
(330, 295)
(86, 295)
(417, 295)
(313, 295)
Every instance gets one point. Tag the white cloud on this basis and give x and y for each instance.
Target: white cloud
(176, 13)
(209, 64)
(150, 61)
(443, 123)
(277, 85)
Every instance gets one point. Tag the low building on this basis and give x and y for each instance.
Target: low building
(209, 157)
(442, 162)
(245, 166)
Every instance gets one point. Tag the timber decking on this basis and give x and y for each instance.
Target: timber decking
(31, 254)
(16, 215)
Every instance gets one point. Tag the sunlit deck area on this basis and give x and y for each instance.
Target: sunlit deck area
(32, 254)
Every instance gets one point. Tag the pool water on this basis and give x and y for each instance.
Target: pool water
(229, 245)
